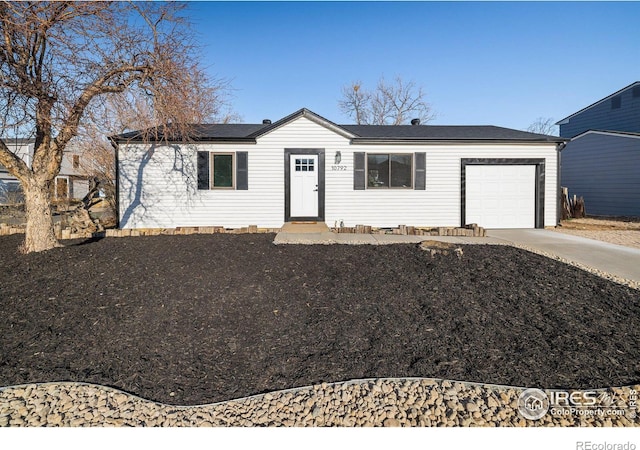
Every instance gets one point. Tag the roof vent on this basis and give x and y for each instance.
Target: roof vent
(415, 121)
(266, 122)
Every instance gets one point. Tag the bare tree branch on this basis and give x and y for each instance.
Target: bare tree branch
(394, 103)
(14, 164)
(543, 125)
(355, 101)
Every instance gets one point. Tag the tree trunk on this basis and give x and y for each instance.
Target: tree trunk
(40, 235)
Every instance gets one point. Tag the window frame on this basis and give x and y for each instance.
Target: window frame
(75, 161)
(212, 171)
(388, 154)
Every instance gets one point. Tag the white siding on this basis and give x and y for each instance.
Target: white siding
(439, 204)
(66, 165)
(158, 188)
(168, 197)
(80, 188)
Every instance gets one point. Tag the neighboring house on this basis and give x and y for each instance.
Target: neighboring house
(602, 161)
(71, 182)
(306, 168)
(10, 189)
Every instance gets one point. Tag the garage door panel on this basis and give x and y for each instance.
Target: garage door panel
(500, 196)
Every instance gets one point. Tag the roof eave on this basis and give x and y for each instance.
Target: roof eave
(199, 140)
(565, 120)
(623, 134)
(421, 141)
(10, 140)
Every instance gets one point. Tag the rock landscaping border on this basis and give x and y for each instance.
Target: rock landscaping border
(472, 230)
(67, 233)
(414, 402)
(8, 230)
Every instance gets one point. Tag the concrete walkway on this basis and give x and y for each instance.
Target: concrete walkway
(610, 258)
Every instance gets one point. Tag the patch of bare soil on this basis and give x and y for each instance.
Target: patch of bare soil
(620, 231)
(601, 224)
(205, 318)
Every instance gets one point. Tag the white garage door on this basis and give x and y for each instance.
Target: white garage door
(501, 196)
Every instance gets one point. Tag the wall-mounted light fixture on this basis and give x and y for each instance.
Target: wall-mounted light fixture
(338, 157)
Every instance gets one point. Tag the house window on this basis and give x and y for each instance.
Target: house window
(222, 170)
(616, 102)
(305, 165)
(61, 187)
(75, 161)
(389, 170)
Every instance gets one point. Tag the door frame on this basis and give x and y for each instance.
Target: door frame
(539, 163)
(319, 152)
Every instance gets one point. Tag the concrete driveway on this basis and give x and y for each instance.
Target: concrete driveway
(610, 258)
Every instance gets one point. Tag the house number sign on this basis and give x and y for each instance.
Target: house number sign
(336, 163)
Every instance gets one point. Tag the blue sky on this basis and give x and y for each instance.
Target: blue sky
(500, 63)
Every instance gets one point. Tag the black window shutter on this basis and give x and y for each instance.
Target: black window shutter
(359, 178)
(420, 177)
(242, 171)
(203, 170)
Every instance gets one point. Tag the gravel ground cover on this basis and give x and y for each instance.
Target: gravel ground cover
(188, 320)
(619, 231)
(360, 403)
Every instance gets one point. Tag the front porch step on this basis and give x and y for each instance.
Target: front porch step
(306, 227)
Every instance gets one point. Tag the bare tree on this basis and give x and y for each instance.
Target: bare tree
(60, 61)
(389, 104)
(543, 125)
(355, 102)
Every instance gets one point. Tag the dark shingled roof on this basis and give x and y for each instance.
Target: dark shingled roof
(200, 132)
(445, 133)
(250, 132)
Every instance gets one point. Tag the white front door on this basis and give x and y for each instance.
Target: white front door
(304, 185)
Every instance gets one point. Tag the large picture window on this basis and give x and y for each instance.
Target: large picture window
(389, 170)
(222, 169)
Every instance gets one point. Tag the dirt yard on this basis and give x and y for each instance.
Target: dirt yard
(204, 318)
(615, 231)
